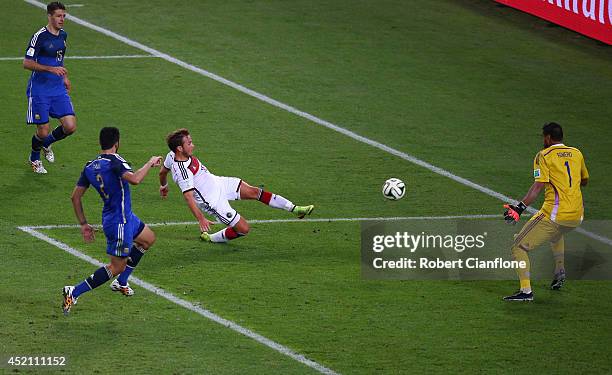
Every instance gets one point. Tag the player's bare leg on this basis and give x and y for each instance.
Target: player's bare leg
(117, 265)
(273, 200)
(68, 124)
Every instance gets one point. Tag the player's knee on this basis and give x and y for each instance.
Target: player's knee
(69, 127)
(145, 245)
(513, 252)
(146, 238)
(517, 250)
(149, 241)
(242, 227)
(42, 132)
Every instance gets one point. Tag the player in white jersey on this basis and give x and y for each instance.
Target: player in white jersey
(206, 192)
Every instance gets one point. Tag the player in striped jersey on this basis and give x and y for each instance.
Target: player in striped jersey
(561, 171)
(206, 192)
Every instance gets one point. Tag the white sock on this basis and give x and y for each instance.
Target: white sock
(526, 290)
(218, 236)
(278, 201)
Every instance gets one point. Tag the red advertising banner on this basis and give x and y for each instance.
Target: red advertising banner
(592, 18)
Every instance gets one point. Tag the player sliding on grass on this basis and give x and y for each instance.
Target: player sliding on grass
(127, 238)
(206, 192)
(561, 171)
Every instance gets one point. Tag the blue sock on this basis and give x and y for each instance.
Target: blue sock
(80, 289)
(135, 254)
(36, 146)
(56, 135)
(96, 279)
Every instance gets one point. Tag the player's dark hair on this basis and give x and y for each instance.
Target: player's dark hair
(554, 130)
(108, 137)
(175, 138)
(52, 7)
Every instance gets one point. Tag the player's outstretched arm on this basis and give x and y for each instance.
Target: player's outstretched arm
(193, 206)
(135, 178)
(86, 230)
(513, 212)
(163, 182)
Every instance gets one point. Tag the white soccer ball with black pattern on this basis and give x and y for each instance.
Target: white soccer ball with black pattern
(394, 189)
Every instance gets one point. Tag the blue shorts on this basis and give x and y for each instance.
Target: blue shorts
(119, 237)
(41, 107)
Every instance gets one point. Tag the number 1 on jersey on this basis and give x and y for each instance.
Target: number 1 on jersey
(569, 174)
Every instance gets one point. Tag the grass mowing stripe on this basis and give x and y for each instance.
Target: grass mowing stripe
(307, 116)
(188, 305)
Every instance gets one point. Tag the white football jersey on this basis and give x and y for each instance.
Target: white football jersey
(191, 174)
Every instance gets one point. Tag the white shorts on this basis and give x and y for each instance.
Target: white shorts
(229, 190)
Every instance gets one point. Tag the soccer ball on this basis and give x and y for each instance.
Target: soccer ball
(394, 189)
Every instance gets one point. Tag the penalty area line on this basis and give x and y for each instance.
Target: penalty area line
(187, 305)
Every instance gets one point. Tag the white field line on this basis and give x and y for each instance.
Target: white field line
(302, 114)
(317, 220)
(584, 232)
(595, 236)
(89, 57)
(188, 305)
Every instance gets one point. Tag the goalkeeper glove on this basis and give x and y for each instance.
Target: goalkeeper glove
(513, 213)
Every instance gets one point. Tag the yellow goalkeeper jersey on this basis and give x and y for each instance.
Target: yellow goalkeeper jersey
(561, 168)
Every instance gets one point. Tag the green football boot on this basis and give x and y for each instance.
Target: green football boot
(302, 211)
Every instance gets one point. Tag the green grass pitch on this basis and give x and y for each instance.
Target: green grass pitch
(462, 84)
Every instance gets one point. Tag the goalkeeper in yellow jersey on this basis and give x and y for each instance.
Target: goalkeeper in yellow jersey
(559, 170)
